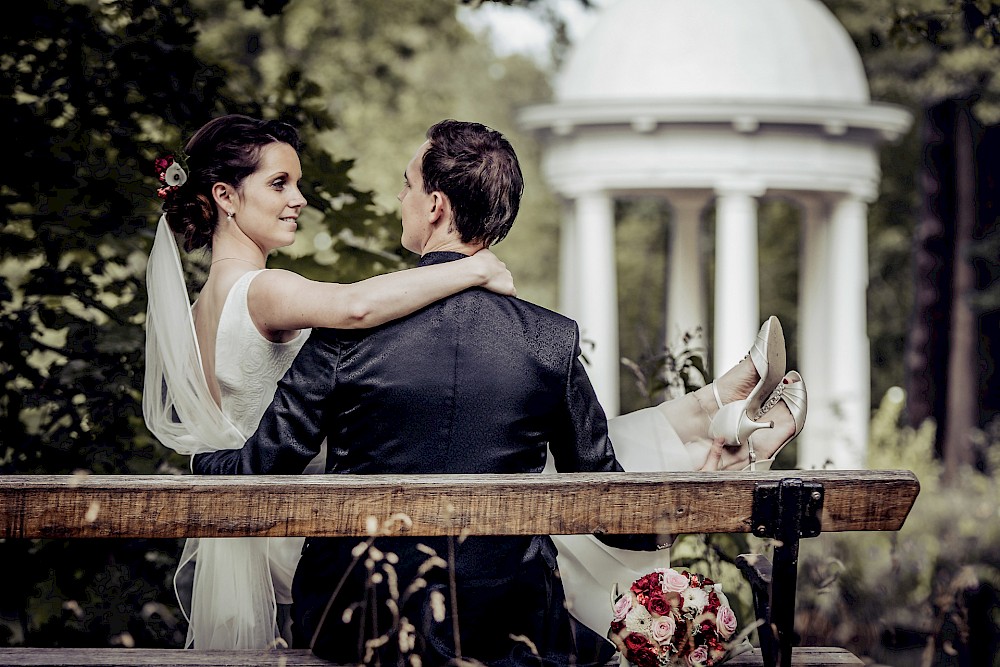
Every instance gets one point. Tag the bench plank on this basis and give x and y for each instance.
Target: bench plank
(123, 657)
(149, 657)
(174, 506)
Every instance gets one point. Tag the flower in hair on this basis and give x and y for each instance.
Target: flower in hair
(171, 174)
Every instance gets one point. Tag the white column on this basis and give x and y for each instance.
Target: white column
(849, 354)
(737, 294)
(813, 445)
(598, 289)
(686, 299)
(569, 288)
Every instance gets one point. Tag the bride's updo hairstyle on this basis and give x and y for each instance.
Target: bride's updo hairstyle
(227, 150)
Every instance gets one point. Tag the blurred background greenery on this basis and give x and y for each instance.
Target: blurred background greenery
(93, 90)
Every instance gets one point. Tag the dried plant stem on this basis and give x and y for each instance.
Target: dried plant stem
(336, 590)
(453, 590)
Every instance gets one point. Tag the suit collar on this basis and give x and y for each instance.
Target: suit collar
(440, 257)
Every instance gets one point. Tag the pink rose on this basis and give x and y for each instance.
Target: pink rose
(698, 657)
(623, 606)
(725, 621)
(663, 629)
(673, 581)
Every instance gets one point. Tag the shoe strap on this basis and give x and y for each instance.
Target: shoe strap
(715, 391)
(771, 401)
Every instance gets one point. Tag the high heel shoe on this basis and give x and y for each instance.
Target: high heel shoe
(768, 358)
(732, 424)
(792, 391)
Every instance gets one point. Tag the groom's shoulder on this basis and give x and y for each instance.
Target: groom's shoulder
(531, 316)
(542, 313)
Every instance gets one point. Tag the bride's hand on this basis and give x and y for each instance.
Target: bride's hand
(707, 454)
(496, 276)
(713, 455)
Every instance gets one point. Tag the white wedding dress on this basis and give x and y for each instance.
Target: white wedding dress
(231, 599)
(644, 441)
(229, 588)
(247, 367)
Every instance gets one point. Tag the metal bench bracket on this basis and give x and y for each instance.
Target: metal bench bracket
(784, 511)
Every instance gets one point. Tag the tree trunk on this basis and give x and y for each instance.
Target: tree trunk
(927, 340)
(963, 380)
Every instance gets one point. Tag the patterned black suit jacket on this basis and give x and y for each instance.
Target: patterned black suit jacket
(474, 383)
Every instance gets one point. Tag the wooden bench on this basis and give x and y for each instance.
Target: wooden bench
(784, 505)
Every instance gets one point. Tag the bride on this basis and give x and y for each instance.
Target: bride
(212, 368)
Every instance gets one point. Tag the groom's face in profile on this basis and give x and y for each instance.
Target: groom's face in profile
(416, 205)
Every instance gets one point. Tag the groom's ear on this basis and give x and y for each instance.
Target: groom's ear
(440, 208)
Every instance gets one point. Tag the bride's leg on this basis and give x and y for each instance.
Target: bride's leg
(691, 414)
(670, 436)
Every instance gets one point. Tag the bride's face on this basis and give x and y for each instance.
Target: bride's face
(270, 199)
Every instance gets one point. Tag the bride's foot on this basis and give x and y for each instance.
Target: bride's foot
(754, 378)
(710, 455)
(756, 382)
(737, 383)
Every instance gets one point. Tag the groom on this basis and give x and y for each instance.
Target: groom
(475, 383)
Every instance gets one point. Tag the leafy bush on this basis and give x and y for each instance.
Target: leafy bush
(925, 595)
(92, 92)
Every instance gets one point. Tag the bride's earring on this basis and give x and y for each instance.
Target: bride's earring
(229, 216)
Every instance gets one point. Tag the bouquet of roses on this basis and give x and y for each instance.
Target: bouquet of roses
(672, 618)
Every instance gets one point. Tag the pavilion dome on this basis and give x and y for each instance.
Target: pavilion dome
(687, 51)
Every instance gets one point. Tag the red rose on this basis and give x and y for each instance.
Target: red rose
(640, 651)
(657, 603)
(636, 642)
(646, 658)
(646, 583)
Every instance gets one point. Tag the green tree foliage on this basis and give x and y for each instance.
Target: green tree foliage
(92, 92)
(923, 52)
(926, 595)
(387, 71)
(939, 58)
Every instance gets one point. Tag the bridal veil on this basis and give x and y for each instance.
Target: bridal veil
(223, 584)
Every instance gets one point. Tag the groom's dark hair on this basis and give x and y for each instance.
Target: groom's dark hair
(476, 168)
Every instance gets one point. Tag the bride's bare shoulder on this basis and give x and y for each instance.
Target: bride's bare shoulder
(215, 292)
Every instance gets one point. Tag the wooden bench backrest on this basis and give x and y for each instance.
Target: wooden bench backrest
(166, 506)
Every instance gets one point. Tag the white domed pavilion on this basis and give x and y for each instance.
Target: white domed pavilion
(725, 101)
